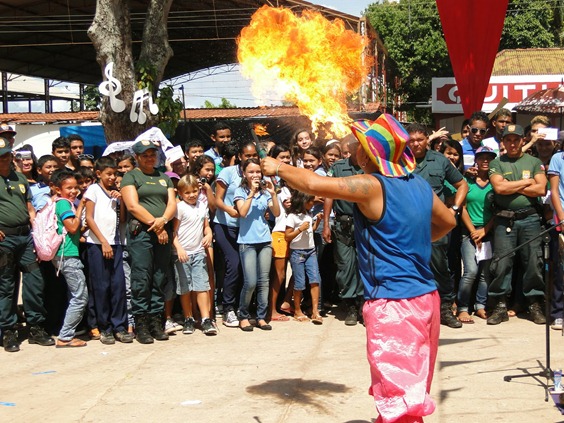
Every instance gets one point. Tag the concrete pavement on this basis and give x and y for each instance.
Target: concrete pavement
(298, 372)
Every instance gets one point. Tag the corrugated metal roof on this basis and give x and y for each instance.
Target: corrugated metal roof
(241, 113)
(48, 117)
(191, 114)
(531, 61)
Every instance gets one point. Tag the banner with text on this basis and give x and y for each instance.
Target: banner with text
(445, 97)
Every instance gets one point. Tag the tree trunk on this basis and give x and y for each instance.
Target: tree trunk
(110, 33)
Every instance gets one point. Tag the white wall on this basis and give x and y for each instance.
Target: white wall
(38, 136)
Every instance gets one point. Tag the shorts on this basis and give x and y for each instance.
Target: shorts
(280, 247)
(192, 275)
(304, 262)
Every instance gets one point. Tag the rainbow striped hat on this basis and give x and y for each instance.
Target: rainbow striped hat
(385, 142)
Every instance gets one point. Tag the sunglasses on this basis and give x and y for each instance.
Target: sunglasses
(85, 157)
(476, 130)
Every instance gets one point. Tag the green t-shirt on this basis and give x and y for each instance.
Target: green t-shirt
(69, 247)
(152, 189)
(525, 167)
(478, 203)
(14, 196)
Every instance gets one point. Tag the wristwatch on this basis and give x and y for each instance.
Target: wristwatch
(456, 209)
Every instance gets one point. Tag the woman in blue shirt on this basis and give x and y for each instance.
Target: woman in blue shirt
(255, 241)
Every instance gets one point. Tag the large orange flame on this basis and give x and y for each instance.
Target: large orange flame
(309, 60)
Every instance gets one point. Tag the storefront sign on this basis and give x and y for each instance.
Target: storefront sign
(445, 97)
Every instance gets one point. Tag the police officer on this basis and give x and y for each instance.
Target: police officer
(151, 201)
(351, 289)
(436, 169)
(17, 254)
(518, 179)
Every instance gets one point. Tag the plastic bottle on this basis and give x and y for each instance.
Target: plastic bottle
(558, 380)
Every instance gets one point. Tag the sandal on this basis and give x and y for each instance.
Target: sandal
(317, 319)
(302, 318)
(464, 317)
(287, 310)
(481, 313)
(280, 318)
(73, 343)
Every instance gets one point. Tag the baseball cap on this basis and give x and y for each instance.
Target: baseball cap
(141, 146)
(172, 175)
(485, 150)
(5, 146)
(513, 130)
(7, 130)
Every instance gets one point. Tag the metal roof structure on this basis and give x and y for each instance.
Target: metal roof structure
(48, 38)
(530, 61)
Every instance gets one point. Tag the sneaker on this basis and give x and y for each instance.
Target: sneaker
(107, 338)
(537, 316)
(124, 336)
(230, 319)
(208, 327)
(189, 326)
(557, 324)
(171, 326)
(94, 334)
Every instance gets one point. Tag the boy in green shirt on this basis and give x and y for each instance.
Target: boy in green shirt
(67, 258)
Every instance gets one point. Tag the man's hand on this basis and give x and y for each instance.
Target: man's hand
(327, 234)
(269, 166)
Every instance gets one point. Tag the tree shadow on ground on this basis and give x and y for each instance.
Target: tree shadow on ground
(301, 391)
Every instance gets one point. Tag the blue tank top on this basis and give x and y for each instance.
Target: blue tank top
(394, 252)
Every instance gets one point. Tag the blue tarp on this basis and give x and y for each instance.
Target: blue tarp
(93, 136)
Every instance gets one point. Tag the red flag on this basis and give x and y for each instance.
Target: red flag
(472, 31)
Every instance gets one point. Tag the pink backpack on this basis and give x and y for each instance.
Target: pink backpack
(45, 237)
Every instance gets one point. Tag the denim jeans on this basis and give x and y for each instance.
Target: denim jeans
(255, 260)
(441, 272)
(304, 262)
(71, 268)
(472, 271)
(529, 256)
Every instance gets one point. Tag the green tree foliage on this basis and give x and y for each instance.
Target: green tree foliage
(92, 98)
(529, 23)
(169, 110)
(225, 104)
(412, 33)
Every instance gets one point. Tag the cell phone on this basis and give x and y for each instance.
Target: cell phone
(23, 154)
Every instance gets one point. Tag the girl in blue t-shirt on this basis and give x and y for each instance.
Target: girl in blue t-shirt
(252, 200)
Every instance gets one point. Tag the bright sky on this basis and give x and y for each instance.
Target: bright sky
(352, 7)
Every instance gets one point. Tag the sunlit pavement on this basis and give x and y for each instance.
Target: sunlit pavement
(298, 372)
